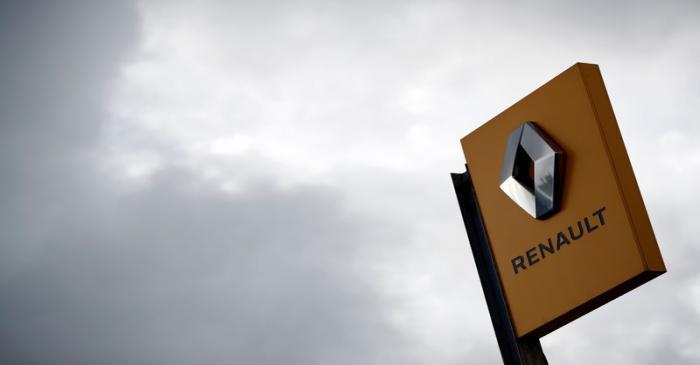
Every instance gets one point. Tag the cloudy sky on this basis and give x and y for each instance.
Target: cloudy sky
(267, 182)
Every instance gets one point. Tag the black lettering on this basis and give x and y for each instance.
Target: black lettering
(543, 250)
(580, 231)
(599, 213)
(549, 248)
(532, 256)
(562, 240)
(518, 262)
(589, 229)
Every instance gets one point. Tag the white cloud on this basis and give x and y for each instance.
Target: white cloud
(372, 100)
(338, 121)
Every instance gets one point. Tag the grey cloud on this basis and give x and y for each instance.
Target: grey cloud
(178, 272)
(181, 277)
(57, 61)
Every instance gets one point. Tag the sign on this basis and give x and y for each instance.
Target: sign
(562, 210)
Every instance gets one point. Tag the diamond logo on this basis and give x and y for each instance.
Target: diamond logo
(533, 170)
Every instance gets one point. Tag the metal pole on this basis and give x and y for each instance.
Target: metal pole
(514, 350)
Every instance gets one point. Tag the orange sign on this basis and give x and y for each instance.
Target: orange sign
(563, 213)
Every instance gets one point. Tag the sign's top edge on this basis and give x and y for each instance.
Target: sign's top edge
(576, 66)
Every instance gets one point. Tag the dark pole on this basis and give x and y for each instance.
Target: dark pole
(514, 351)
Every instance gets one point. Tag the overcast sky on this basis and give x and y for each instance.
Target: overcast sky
(267, 182)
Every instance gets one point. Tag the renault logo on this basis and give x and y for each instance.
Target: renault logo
(533, 170)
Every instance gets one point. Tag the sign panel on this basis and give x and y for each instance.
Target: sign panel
(563, 212)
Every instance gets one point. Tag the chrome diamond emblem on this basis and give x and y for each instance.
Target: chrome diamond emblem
(533, 170)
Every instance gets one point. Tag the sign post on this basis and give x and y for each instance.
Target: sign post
(554, 216)
(514, 351)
